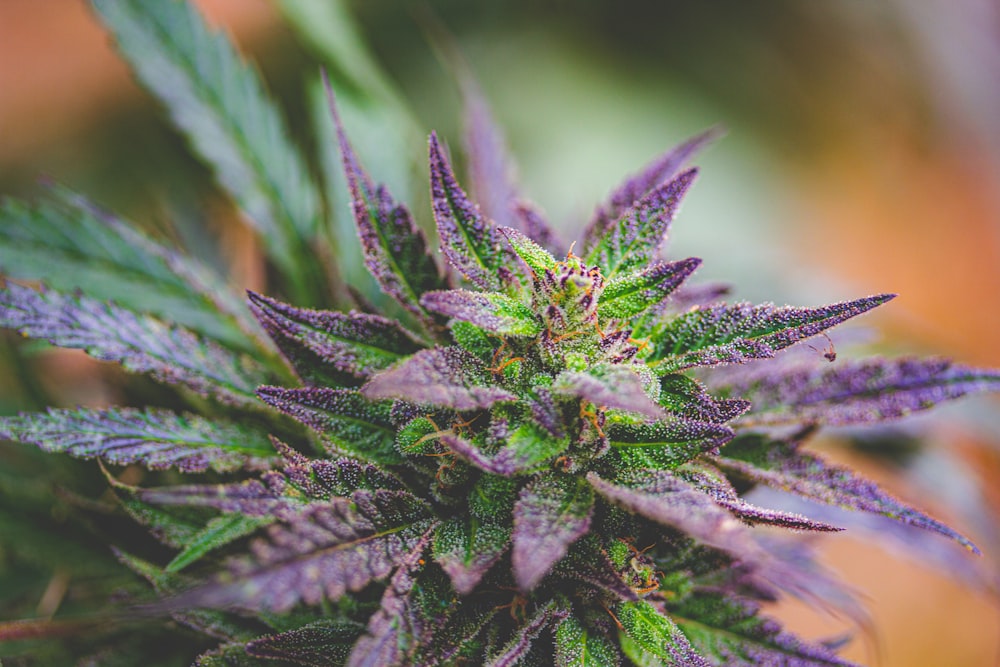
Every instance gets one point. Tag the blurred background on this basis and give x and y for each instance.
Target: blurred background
(862, 156)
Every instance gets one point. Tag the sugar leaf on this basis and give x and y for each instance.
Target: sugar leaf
(685, 396)
(347, 421)
(467, 549)
(578, 646)
(635, 187)
(782, 465)
(650, 638)
(537, 258)
(141, 343)
(860, 392)
(730, 633)
(634, 240)
(550, 514)
(156, 439)
(608, 386)
(519, 646)
(356, 344)
(737, 333)
(667, 443)
(526, 449)
(218, 532)
(219, 103)
(490, 311)
(633, 294)
(395, 249)
(468, 240)
(321, 551)
(445, 376)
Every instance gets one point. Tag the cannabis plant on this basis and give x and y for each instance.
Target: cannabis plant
(539, 456)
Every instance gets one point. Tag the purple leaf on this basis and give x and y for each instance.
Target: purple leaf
(730, 633)
(534, 225)
(355, 344)
(667, 443)
(445, 376)
(395, 249)
(524, 449)
(633, 189)
(491, 170)
(610, 387)
(318, 644)
(550, 514)
(467, 549)
(469, 241)
(490, 311)
(727, 334)
(860, 392)
(635, 239)
(156, 439)
(783, 465)
(650, 637)
(321, 551)
(395, 631)
(347, 421)
(520, 644)
(628, 296)
(141, 343)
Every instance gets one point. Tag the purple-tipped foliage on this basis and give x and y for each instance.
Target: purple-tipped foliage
(607, 386)
(782, 465)
(519, 646)
(733, 334)
(318, 644)
(634, 188)
(550, 514)
(492, 312)
(633, 295)
(860, 392)
(466, 550)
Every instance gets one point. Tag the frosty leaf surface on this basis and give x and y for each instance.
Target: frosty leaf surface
(632, 295)
(156, 439)
(727, 334)
(490, 311)
(577, 646)
(650, 638)
(318, 644)
(550, 514)
(609, 386)
(466, 550)
(444, 376)
(140, 343)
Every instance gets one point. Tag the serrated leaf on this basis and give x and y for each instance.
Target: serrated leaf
(783, 465)
(634, 240)
(445, 376)
(141, 343)
(860, 392)
(355, 344)
(218, 532)
(347, 421)
(322, 643)
(395, 631)
(490, 311)
(727, 334)
(173, 527)
(321, 551)
(537, 258)
(518, 647)
(156, 439)
(635, 187)
(666, 443)
(577, 646)
(466, 550)
(609, 386)
(631, 295)
(109, 259)
(469, 241)
(550, 514)
(219, 103)
(395, 249)
(229, 654)
(730, 633)
(652, 639)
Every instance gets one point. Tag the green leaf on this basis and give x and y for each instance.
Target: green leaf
(141, 343)
(631, 295)
(651, 639)
(538, 259)
(217, 533)
(490, 311)
(466, 550)
(70, 244)
(218, 101)
(577, 646)
(668, 443)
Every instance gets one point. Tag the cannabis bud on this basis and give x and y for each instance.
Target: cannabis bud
(539, 459)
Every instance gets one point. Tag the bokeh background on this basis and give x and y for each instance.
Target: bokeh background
(862, 156)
